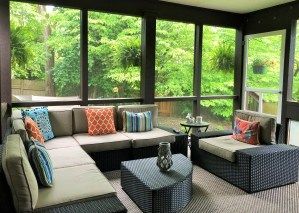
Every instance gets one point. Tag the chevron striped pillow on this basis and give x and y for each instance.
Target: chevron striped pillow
(137, 122)
(41, 163)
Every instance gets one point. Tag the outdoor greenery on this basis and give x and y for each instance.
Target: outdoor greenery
(46, 46)
(296, 68)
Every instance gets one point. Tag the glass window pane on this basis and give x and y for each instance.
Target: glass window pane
(219, 113)
(45, 50)
(293, 133)
(218, 58)
(172, 113)
(262, 102)
(114, 56)
(295, 89)
(263, 63)
(174, 59)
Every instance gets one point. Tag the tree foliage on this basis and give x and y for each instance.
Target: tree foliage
(114, 56)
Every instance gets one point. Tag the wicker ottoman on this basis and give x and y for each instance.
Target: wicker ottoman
(156, 191)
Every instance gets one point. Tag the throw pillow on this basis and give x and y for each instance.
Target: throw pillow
(41, 116)
(137, 122)
(100, 121)
(33, 130)
(41, 163)
(246, 131)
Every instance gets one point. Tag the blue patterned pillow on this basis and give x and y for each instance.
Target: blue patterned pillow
(40, 115)
(137, 122)
(40, 162)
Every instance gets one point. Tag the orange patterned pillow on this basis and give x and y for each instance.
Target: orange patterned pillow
(100, 121)
(33, 130)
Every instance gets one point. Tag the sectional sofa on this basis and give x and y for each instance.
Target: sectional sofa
(79, 160)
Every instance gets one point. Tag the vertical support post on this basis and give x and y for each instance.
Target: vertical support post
(197, 68)
(84, 56)
(148, 48)
(289, 57)
(260, 109)
(5, 66)
(238, 71)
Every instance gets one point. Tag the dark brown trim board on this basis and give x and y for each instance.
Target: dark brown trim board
(84, 56)
(197, 68)
(238, 71)
(163, 10)
(148, 48)
(271, 19)
(5, 81)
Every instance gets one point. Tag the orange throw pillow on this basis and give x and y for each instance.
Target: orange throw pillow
(33, 130)
(100, 121)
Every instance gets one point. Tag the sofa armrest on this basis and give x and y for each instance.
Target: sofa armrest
(270, 150)
(181, 141)
(213, 134)
(169, 129)
(270, 165)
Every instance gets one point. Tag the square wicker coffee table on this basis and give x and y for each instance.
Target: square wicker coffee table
(156, 191)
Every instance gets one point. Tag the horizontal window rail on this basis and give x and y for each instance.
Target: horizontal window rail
(210, 97)
(177, 98)
(79, 102)
(114, 100)
(263, 90)
(45, 103)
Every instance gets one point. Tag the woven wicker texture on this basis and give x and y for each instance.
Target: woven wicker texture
(105, 205)
(214, 195)
(155, 191)
(255, 169)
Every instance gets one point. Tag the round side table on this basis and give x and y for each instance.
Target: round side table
(198, 126)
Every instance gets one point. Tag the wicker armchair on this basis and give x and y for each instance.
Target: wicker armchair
(255, 169)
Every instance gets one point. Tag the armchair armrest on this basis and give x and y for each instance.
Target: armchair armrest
(213, 134)
(269, 166)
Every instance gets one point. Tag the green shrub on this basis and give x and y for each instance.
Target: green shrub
(223, 58)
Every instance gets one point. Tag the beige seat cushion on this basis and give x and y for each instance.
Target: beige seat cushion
(224, 146)
(84, 182)
(61, 142)
(267, 124)
(61, 122)
(80, 120)
(137, 108)
(150, 138)
(69, 156)
(99, 143)
(19, 174)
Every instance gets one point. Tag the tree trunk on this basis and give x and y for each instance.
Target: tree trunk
(50, 60)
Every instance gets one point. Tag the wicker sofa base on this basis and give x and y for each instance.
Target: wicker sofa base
(255, 169)
(111, 160)
(103, 205)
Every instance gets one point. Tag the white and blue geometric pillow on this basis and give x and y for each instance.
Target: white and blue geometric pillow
(41, 116)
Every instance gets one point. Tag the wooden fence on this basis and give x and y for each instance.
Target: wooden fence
(27, 88)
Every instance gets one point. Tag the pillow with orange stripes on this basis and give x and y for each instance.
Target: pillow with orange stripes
(33, 130)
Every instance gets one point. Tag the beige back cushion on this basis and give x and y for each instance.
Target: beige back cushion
(18, 126)
(137, 108)
(19, 174)
(61, 122)
(267, 124)
(80, 120)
